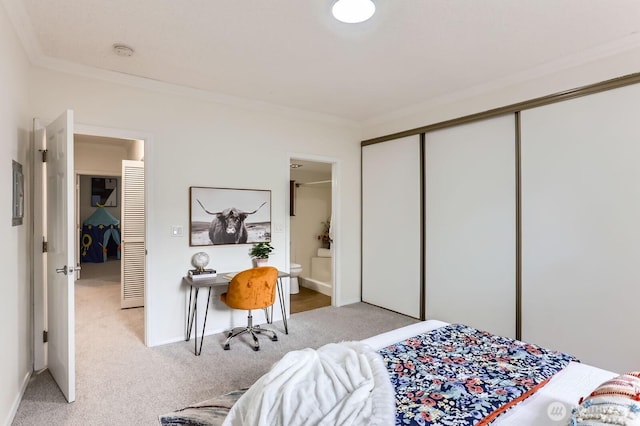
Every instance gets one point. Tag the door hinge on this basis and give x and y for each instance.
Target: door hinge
(44, 155)
(45, 245)
(45, 336)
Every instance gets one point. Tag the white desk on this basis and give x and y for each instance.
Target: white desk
(220, 281)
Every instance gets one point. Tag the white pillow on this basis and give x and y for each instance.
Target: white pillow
(614, 402)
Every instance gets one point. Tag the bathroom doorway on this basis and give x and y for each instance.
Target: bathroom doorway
(311, 234)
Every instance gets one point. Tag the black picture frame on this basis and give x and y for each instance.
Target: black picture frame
(18, 194)
(292, 200)
(104, 192)
(219, 216)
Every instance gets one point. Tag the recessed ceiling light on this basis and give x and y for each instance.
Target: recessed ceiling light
(295, 165)
(122, 50)
(353, 11)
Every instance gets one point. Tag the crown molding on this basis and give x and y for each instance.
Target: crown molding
(22, 26)
(594, 54)
(26, 34)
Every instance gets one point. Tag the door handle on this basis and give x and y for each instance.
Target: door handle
(64, 270)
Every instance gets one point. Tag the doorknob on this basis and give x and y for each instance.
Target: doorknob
(64, 270)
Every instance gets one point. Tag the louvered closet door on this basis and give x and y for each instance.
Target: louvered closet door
(391, 225)
(470, 224)
(132, 235)
(581, 227)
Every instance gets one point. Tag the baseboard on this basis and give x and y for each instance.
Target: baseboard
(179, 339)
(316, 285)
(277, 316)
(18, 399)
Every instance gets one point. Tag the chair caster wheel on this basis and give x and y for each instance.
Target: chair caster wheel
(226, 347)
(256, 348)
(274, 339)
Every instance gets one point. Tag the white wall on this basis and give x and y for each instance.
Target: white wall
(96, 159)
(196, 142)
(15, 302)
(135, 150)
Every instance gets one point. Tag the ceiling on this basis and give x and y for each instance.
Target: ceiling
(101, 140)
(292, 53)
(310, 171)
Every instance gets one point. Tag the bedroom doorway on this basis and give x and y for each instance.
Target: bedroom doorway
(311, 233)
(99, 225)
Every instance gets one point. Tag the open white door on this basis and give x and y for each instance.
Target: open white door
(39, 253)
(132, 235)
(77, 226)
(60, 254)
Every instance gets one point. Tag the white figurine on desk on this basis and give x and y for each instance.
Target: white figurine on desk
(200, 260)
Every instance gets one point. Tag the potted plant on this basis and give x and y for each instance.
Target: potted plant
(325, 236)
(259, 252)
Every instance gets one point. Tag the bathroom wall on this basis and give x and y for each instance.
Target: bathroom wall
(312, 207)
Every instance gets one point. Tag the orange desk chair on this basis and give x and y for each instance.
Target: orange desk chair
(254, 288)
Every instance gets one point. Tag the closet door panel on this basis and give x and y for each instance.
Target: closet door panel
(581, 227)
(470, 231)
(391, 225)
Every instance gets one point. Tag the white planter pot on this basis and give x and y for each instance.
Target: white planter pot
(260, 262)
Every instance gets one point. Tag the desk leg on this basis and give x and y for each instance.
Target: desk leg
(283, 308)
(204, 326)
(191, 314)
(195, 323)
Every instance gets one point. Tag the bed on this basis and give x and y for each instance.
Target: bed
(566, 387)
(343, 384)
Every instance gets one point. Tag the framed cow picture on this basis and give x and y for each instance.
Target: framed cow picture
(228, 216)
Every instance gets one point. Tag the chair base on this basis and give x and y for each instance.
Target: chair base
(253, 331)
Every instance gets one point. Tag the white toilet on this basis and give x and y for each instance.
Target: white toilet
(294, 271)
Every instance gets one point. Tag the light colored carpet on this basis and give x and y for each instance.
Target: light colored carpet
(97, 273)
(121, 381)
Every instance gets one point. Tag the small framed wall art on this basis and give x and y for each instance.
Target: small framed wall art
(18, 194)
(104, 192)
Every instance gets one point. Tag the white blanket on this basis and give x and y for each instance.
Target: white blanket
(338, 384)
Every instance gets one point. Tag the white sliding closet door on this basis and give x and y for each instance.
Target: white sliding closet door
(391, 192)
(470, 232)
(581, 227)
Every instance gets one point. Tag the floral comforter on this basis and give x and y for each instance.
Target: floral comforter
(457, 375)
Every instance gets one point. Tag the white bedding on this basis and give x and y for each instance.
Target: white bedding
(566, 387)
(338, 384)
